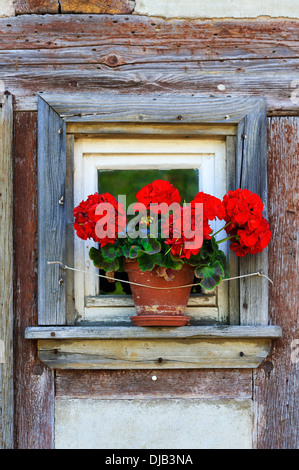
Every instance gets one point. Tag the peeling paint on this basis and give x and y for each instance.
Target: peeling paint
(6, 8)
(217, 8)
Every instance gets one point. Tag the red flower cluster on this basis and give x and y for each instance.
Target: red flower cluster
(88, 214)
(158, 192)
(243, 216)
(212, 206)
(179, 237)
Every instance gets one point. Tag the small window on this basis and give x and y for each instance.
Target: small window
(96, 142)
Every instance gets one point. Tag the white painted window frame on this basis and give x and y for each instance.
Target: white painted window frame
(130, 152)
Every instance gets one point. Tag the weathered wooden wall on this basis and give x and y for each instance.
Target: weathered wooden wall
(276, 383)
(6, 273)
(133, 54)
(33, 381)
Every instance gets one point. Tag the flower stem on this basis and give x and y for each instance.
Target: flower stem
(222, 228)
(228, 238)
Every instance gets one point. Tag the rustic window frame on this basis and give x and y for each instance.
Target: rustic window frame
(247, 152)
(90, 306)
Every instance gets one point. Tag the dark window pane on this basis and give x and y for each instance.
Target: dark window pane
(129, 182)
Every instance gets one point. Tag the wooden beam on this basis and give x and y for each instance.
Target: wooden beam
(158, 353)
(75, 54)
(111, 7)
(51, 215)
(139, 384)
(276, 382)
(33, 381)
(6, 272)
(127, 332)
(37, 7)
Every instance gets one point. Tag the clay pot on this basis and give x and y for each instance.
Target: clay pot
(157, 307)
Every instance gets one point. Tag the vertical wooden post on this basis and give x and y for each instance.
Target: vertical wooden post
(33, 381)
(276, 381)
(51, 215)
(6, 276)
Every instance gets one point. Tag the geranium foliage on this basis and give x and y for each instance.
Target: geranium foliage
(101, 218)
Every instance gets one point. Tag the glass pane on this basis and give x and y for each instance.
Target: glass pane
(129, 182)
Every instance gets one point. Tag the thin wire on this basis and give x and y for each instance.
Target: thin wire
(64, 266)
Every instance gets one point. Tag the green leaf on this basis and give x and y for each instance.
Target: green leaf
(151, 245)
(147, 262)
(195, 260)
(126, 250)
(111, 251)
(211, 275)
(101, 262)
(172, 262)
(224, 263)
(134, 250)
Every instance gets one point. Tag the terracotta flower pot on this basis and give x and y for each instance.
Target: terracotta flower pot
(157, 307)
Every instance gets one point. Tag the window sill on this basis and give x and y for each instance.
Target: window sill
(96, 347)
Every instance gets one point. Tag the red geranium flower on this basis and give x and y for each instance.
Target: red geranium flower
(184, 232)
(88, 214)
(212, 206)
(246, 226)
(157, 192)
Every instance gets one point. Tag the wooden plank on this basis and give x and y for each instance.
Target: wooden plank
(67, 53)
(6, 272)
(242, 38)
(164, 108)
(38, 7)
(118, 332)
(154, 353)
(51, 215)
(34, 415)
(91, 130)
(70, 312)
(107, 301)
(233, 285)
(121, 315)
(131, 384)
(276, 382)
(111, 7)
(251, 173)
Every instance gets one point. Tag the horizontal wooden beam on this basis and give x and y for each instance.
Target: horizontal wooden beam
(119, 53)
(126, 332)
(149, 353)
(139, 384)
(164, 108)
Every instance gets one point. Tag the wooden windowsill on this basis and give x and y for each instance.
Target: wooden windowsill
(133, 332)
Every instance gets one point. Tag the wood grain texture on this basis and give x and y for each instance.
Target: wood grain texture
(130, 384)
(249, 166)
(172, 353)
(37, 7)
(127, 332)
(159, 108)
(76, 53)
(33, 381)
(251, 173)
(276, 382)
(6, 272)
(51, 215)
(111, 7)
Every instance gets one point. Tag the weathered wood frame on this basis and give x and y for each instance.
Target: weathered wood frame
(247, 152)
(6, 273)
